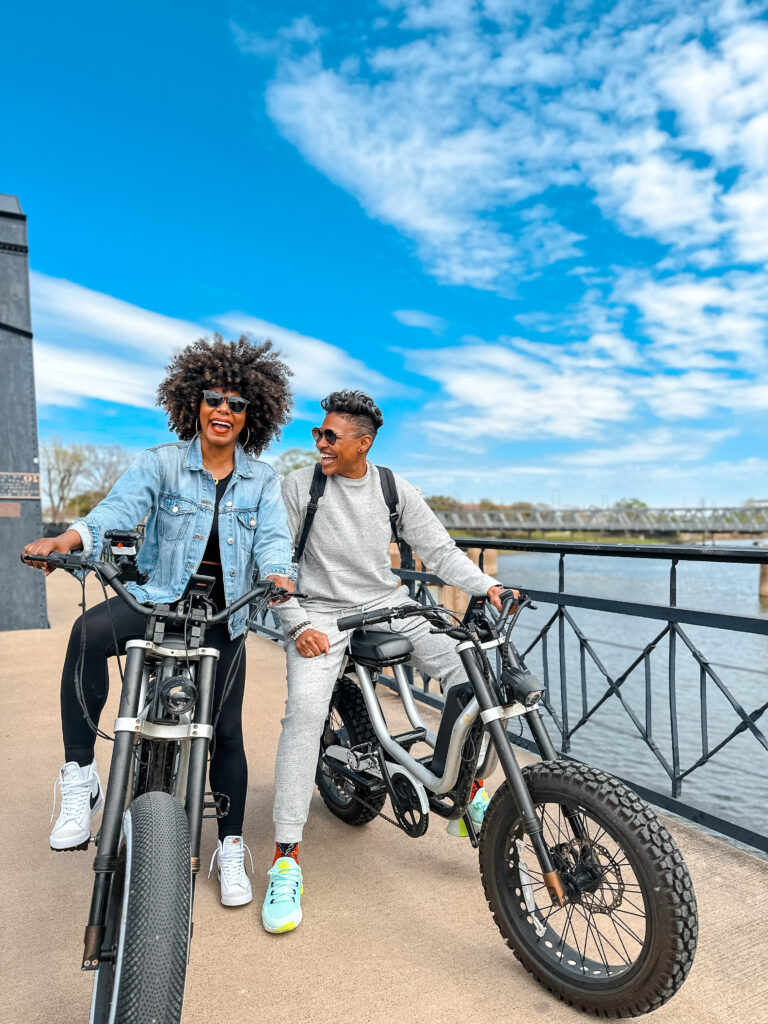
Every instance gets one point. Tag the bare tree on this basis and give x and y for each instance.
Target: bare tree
(104, 463)
(62, 465)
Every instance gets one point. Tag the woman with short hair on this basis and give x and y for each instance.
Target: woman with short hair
(346, 568)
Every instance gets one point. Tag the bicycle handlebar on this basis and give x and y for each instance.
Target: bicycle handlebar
(376, 615)
(110, 574)
(367, 618)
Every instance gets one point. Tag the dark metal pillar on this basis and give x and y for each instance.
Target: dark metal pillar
(22, 595)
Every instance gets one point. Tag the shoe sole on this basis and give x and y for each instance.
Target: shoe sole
(287, 927)
(236, 901)
(70, 849)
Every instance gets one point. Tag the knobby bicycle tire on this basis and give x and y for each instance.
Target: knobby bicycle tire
(348, 725)
(624, 944)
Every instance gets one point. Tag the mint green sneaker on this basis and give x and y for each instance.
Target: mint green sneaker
(479, 806)
(282, 904)
(477, 809)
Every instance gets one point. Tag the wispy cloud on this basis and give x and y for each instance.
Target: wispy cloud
(93, 345)
(449, 135)
(318, 366)
(416, 318)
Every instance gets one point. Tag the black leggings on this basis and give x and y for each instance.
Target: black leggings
(228, 768)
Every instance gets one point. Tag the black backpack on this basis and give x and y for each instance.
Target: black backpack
(388, 489)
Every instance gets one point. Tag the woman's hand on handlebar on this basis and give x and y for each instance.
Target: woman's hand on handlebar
(63, 544)
(311, 643)
(286, 584)
(494, 596)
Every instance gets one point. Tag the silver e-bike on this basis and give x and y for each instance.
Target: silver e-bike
(584, 882)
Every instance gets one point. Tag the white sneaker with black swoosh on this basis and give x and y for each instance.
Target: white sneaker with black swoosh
(81, 798)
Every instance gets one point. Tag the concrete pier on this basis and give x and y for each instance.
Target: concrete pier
(394, 929)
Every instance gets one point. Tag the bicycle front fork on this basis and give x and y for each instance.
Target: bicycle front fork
(490, 713)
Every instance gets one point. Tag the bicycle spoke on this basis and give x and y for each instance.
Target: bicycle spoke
(617, 921)
(598, 938)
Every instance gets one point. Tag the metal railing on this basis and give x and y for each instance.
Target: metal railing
(562, 689)
(549, 642)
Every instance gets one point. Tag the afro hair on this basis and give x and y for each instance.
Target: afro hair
(243, 366)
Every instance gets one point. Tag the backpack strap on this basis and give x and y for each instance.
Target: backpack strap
(389, 490)
(316, 490)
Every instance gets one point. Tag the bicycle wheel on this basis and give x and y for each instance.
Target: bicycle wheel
(144, 962)
(624, 940)
(347, 725)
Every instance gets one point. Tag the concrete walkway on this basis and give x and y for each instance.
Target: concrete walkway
(394, 929)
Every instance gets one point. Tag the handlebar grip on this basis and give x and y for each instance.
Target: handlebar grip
(350, 621)
(508, 599)
(365, 618)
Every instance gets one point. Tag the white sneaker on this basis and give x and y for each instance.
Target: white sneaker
(81, 798)
(235, 884)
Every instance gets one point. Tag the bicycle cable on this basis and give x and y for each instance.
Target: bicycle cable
(79, 666)
(112, 626)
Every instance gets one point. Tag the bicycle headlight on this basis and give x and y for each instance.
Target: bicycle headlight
(178, 694)
(522, 686)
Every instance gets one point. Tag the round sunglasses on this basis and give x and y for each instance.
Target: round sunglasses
(213, 399)
(330, 435)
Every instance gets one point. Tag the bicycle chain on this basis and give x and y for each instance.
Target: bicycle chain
(370, 807)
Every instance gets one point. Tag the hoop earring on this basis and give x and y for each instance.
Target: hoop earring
(199, 427)
(248, 438)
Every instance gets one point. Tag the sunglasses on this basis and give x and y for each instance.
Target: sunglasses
(213, 399)
(330, 435)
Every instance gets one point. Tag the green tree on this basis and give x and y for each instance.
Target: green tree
(295, 458)
(629, 503)
(443, 503)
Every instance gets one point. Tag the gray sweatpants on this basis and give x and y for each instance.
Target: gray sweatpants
(310, 685)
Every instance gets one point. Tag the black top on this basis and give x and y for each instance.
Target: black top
(211, 561)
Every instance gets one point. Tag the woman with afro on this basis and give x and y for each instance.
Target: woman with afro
(209, 507)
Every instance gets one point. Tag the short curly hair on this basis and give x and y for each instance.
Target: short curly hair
(356, 406)
(252, 369)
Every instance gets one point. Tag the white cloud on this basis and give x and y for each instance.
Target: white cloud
(661, 445)
(417, 318)
(499, 390)
(94, 345)
(660, 198)
(446, 134)
(318, 367)
(63, 307)
(714, 322)
(65, 377)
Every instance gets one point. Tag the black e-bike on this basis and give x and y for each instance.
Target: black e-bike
(148, 847)
(586, 885)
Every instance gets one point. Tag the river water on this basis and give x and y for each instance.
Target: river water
(734, 784)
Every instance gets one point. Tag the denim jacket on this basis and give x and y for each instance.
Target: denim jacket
(169, 482)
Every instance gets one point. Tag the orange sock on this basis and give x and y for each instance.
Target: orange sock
(476, 785)
(289, 850)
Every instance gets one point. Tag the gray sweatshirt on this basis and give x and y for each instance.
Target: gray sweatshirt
(346, 561)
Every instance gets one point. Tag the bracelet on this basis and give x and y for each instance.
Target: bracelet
(298, 630)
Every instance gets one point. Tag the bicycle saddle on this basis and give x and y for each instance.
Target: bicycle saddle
(377, 647)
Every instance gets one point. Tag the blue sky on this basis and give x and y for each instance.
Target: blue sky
(536, 233)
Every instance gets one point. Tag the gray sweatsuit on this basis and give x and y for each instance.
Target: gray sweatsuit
(346, 568)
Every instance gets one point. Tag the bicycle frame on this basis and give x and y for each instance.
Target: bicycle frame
(485, 705)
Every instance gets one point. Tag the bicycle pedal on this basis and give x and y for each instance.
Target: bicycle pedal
(219, 805)
(407, 739)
